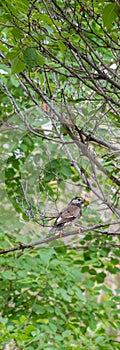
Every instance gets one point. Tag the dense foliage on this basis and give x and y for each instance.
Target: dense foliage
(60, 119)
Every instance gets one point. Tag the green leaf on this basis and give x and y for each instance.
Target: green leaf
(79, 294)
(40, 60)
(62, 46)
(18, 6)
(9, 275)
(30, 57)
(17, 65)
(45, 18)
(66, 333)
(109, 14)
(17, 33)
(100, 277)
(46, 255)
(64, 295)
(11, 54)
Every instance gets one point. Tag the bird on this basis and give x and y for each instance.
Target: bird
(69, 215)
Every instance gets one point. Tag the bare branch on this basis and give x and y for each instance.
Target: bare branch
(22, 246)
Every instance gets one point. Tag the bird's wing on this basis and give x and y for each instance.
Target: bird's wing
(68, 215)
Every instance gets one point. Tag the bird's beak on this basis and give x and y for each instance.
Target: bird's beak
(86, 200)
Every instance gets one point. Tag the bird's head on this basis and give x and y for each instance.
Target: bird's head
(79, 200)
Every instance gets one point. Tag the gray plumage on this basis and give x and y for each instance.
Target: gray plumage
(69, 215)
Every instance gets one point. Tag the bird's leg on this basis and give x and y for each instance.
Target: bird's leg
(61, 233)
(79, 230)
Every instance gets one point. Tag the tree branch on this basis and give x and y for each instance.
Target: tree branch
(22, 246)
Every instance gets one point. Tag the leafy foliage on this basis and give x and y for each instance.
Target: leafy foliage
(60, 138)
(55, 304)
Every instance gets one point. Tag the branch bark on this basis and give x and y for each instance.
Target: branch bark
(57, 236)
